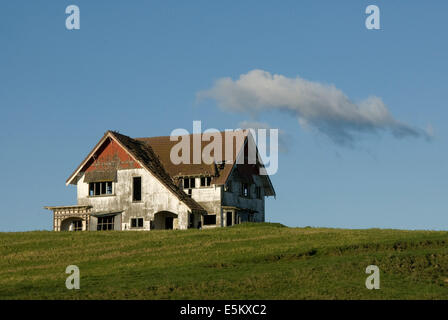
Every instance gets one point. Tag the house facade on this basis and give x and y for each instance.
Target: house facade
(132, 184)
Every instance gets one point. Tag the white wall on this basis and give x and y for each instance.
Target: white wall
(155, 197)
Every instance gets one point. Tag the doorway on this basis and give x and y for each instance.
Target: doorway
(229, 218)
(169, 223)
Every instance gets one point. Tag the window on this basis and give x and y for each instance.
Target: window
(206, 181)
(190, 192)
(77, 225)
(228, 187)
(258, 192)
(189, 183)
(210, 219)
(105, 223)
(100, 188)
(245, 190)
(137, 223)
(137, 189)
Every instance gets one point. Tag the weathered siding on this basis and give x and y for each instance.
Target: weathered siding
(235, 199)
(210, 199)
(155, 198)
(110, 156)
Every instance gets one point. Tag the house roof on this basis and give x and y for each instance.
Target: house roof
(162, 146)
(153, 153)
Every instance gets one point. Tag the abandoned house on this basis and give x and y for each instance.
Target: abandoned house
(132, 184)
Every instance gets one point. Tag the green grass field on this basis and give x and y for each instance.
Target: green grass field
(250, 261)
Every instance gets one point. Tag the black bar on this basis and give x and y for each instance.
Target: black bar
(228, 309)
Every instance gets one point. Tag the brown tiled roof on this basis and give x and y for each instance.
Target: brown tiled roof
(162, 147)
(145, 154)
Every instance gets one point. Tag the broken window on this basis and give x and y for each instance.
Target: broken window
(189, 183)
(210, 219)
(100, 188)
(105, 223)
(206, 181)
(137, 189)
(245, 190)
(137, 223)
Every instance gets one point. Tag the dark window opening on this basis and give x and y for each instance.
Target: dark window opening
(105, 223)
(137, 223)
(258, 192)
(191, 220)
(228, 187)
(206, 181)
(189, 183)
(169, 223)
(229, 218)
(100, 188)
(137, 189)
(97, 188)
(190, 192)
(210, 219)
(77, 225)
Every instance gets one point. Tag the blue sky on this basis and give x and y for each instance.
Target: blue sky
(138, 66)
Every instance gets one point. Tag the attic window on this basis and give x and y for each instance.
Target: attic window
(189, 183)
(100, 188)
(206, 181)
(221, 164)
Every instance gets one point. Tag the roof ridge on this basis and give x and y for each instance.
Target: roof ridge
(190, 134)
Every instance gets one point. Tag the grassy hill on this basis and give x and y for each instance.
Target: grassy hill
(250, 261)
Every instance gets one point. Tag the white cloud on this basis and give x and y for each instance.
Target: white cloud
(320, 106)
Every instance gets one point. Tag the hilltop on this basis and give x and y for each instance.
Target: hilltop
(249, 261)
